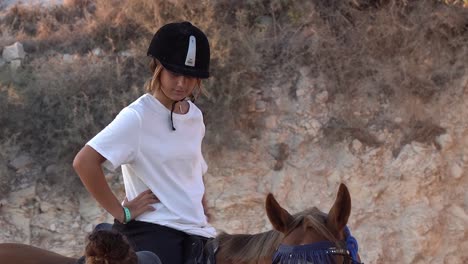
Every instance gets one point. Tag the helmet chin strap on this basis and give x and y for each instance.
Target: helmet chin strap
(172, 108)
(172, 111)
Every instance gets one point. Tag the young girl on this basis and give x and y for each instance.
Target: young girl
(157, 142)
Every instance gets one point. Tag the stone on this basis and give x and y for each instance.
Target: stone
(301, 92)
(126, 53)
(67, 58)
(357, 145)
(97, 52)
(420, 148)
(321, 97)
(45, 206)
(13, 52)
(260, 106)
(456, 171)
(21, 162)
(382, 137)
(15, 65)
(458, 212)
(445, 141)
(88, 228)
(312, 126)
(263, 23)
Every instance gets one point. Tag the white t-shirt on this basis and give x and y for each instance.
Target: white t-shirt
(153, 156)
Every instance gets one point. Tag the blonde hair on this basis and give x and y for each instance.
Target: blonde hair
(154, 84)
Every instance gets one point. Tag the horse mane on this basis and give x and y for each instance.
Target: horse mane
(244, 248)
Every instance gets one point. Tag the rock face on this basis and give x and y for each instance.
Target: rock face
(409, 205)
(409, 196)
(49, 216)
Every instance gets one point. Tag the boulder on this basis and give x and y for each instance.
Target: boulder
(13, 52)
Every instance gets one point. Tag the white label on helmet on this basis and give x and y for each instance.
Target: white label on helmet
(191, 52)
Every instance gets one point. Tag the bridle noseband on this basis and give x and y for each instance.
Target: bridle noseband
(319, 252)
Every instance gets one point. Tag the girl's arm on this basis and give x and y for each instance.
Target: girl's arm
(87, 165)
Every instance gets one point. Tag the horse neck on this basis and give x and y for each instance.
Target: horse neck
(246, 249)
(25, 254)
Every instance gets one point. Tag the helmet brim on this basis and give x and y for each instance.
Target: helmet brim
(186, 70)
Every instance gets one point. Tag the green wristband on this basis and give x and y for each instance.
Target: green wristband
(127, 214)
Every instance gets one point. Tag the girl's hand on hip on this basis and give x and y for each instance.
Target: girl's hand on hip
(141, 204)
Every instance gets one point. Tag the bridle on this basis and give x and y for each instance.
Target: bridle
(319, 252)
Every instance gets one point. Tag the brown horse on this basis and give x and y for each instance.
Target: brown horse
(307, 227)
(302, 232)
(313, 236)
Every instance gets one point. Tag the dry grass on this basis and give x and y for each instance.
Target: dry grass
(56, 106)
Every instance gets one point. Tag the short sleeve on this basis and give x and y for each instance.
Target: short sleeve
(119, 141)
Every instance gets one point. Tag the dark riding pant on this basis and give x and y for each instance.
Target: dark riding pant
(170, 245)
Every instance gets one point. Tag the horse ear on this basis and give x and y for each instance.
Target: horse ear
(340, 211)
(279, 217)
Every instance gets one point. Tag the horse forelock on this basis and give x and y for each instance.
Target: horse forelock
(316, 220)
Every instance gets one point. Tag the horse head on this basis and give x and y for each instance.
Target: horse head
(312, 236)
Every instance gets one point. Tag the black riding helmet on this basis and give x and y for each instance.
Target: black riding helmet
(182, 48)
